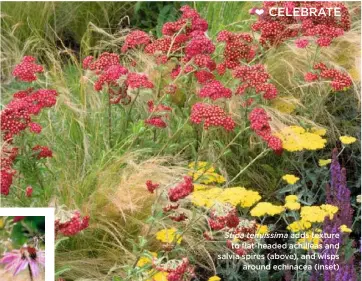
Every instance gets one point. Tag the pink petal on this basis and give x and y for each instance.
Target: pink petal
(34, 268)
(21, 266)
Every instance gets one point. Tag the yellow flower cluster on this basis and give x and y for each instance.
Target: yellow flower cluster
(236, 196)
(317, 213)
(324, 162)
(290, 179)
(168, 236)
(291, 203)
(204, 172)
(296, 138)
(214, 278)
(262, 229)
(345, 229)
(266, 208)
(347, 139)
(283, 105)
(152, 275)
(299, 225)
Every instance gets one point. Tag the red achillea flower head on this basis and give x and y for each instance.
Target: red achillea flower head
(28, 191)
(178, 270)
(178, 217)
(339, 80)
(255, 77)
(25, 71)
(237, 47)
(223, 217)
(6, 177)
(204, 61)
(221, 68)
(35, 128)
(104, 61)
(310, 77)
(301, 43)
(151, 187)
(156, 121)
(71, 226)
(211, 116)
(214, 90)
(199, 44)
(18, 218)
(135, 80)
(159, 108)
(203, 76)
(170, 207)
(324, 41)
(16, 116)
(110, 76)
(181, 190)
(162, 59)
(260, 124)
(42, 151)
(87, 61)
(134, 39)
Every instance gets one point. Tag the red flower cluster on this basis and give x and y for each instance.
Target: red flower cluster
(162, 114)
(301, 43)
(25, 71)
(42, 151)
(28, 191)
(73, 226)
(177, 217)
(8, 156)
(18, 218)
(151, 187)
(110, 76)
(178, 270)
(213, 89)
(255, 77)
(16, 116)
(135, 80)
(202, 76)
(226, 217)
(204, 61)
(211, 115)
(181, 190)
(260, 124)
(242, 230)
(310, 77)
(339, 80)
(275, 30)
(237, 48)
(134, 39)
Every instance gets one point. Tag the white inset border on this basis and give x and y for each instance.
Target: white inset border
(48, 213)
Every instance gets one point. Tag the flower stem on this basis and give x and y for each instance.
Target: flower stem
(109, 121)
(30, 273)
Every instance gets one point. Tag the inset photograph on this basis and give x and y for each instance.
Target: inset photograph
(22, 246)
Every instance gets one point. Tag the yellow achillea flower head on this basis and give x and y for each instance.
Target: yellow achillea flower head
(159, 276)
(168, 236)
(290, 179)
(262, 229)
(299, 226)
(236, 196)
(293, 206)
(347, 139)
(145, 260)
(291, 203)
(266, 208)
(296, 138)
(345, 229)
(324, 162)
(318, 213)
(214, 278)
